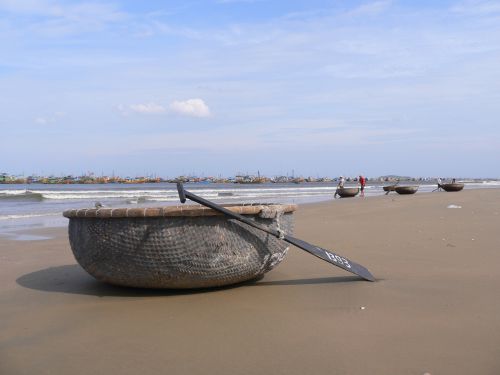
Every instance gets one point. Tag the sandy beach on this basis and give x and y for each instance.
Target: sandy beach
(434, 309)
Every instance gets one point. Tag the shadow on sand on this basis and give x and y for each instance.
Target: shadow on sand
(73, 279)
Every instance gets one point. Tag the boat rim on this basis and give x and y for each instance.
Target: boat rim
(179, 211)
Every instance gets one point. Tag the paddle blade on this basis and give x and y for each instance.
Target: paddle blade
(332, 258)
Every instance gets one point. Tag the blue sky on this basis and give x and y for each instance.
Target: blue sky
(228, 86)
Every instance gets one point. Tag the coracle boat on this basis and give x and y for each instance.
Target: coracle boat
(177, 247)
(347, 192)
(406, 189)
(451, 186)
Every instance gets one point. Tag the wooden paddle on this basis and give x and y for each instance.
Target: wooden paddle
(326, 255)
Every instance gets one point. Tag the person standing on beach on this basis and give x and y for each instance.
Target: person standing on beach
(341, 182)
(340, 185)
(439, 181)
(362, 182)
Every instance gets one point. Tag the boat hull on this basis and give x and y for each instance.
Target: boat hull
(406, 190)
(347, 192)
(177, 247)
(452, 186)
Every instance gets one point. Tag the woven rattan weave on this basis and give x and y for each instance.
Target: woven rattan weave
(177, 247)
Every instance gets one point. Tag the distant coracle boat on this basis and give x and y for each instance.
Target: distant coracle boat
(406, 189)
(177, 247)
(347, 192)
(455, 186)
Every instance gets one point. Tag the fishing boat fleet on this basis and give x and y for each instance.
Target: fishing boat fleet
(91, 178)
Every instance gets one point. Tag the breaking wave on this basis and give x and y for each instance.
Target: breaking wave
(21, 196)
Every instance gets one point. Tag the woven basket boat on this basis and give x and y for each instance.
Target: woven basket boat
(347, 192)
(177, 247)
(406, 189)
(451, 186)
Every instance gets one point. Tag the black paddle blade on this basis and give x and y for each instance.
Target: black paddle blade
(332, 258)
(182, 194)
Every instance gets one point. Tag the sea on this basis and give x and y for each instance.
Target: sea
(24, 207)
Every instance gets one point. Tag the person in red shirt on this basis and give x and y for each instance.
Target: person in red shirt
(362, 182)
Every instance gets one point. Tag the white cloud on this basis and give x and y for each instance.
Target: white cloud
(190, 107)
(147, 108)
(77, 11)
(41, 120)
(477, 7)
(260, 138)
(55, 18)
(372, 8)
(49, 118)
(40, 7)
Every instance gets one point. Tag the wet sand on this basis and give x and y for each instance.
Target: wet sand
(435, 307)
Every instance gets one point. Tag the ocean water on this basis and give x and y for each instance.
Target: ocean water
(37, 205)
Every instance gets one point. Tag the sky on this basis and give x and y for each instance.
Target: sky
(221, 87)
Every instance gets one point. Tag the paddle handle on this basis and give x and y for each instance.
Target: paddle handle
(180, 190)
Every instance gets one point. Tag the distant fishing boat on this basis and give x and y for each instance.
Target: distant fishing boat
(250, 180)
(455, 186)
(406, 189)
(247, 179)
